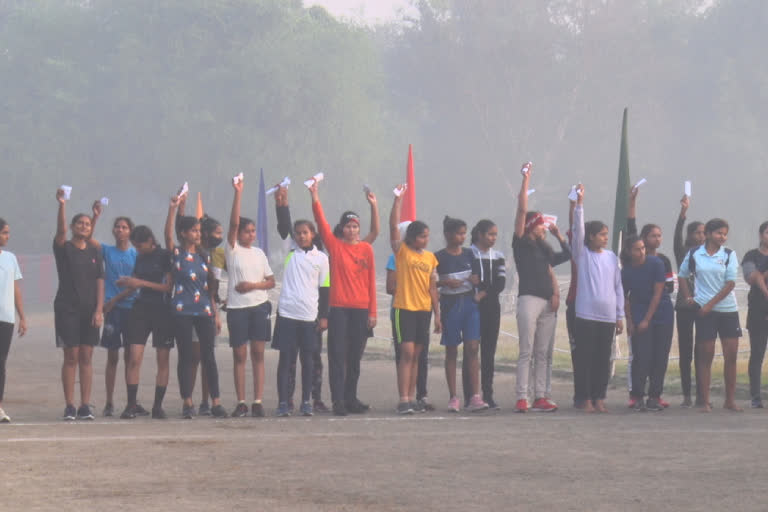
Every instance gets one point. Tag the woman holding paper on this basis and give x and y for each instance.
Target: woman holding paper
(686, 315)
(599, 308)
(352, 304)
(538, 299)
(10, 305)
(248, 306)
(416, 299)
(78, 306)
(194, 307)
(714, 268)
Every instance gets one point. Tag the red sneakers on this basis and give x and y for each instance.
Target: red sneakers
(544, 405)
(663, 403)
(522, 405)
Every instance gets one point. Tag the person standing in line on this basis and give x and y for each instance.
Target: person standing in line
(119, 260)
(650, 321)
(599, 308)
(460, 314)
(352, 304)
(194, 307)
(538, 299)
(570, 300)
(11, 303)
(248, 306)
(302, 313)
(714, 269)
(755, 269)
(686, 314)
(78, 306)
(651, 235)
(489, 277)
(150, 314)
(416, 299)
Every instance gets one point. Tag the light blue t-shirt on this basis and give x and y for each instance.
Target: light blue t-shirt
(392, 268)
(117, 264)
(9, 274)
(711, 276)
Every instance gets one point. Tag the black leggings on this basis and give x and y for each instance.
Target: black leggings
(421, 378)
(650, 355)
(286, 374)
(6, 333)
(347, 336)
(685, 322)
(317, 372)
(592, 358)
(758, 338)
(490, 317)
(187, 367)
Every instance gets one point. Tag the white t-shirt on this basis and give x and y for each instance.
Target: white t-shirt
(304, 273)
(246, 264)
(9, 274)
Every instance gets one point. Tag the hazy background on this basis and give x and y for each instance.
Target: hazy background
(130, 99)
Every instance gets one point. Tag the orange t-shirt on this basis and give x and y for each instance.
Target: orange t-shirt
(353, 272)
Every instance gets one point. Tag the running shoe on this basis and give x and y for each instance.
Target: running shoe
(84, 413)
(283, 410)
(663, 402)
(70, 413)
(140, 411)
(418, 406)
(543, 405)
(476, 404)
(241, 411)
(257, 410)
(492, 405)
(633, 402)
(453, 404)
(687, 403)
(405, 408)
(339, 409)
(521, 405)
(306, 409)
(188, 412)
(129, 413)
(109, 410)
(218, 411)
(757, 403)
(319, 407)
(290, 405)
(653, 404)
(426, 403)
(639, 406)
(357, 407)
(204, 409)
(4, 418)
(158, 413)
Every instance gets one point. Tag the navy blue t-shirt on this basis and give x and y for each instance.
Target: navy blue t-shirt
(639, 282)
(152, 267)
(190, 281)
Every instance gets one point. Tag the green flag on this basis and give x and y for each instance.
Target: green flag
(622, 190)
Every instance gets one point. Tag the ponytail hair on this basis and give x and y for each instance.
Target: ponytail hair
(141, 234)
(626, 251)
(452, 225)
(413, 230)
(481, 228)
(690, 229)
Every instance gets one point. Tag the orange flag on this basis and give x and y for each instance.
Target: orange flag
(408, 212)
(199, 209)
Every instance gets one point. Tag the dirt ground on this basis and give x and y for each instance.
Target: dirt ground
(673, 460)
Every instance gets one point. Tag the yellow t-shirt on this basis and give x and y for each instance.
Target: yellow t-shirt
(413, 271)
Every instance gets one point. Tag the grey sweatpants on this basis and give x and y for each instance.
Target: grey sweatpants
(536, 324)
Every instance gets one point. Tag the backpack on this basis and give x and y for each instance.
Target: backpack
(692, 260)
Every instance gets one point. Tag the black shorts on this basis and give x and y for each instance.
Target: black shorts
(291, 334)
(145, 319)
(249, 324)
(726, 325)
(412, 326)
(75, 328)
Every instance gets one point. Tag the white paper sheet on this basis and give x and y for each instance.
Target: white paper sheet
(104, 201)
(237, 179)
(317, 178)
(67, 191)
(184, 190)
(687, 188)
(640, 183)
(284, 184)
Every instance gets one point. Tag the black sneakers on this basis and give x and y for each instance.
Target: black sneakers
(84, 413)
(70, 413)
(257, 410)
(240, 411)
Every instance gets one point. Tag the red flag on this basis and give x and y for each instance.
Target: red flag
(408, 212)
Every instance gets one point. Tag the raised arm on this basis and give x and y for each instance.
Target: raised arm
(679, 243)
(565, 251)
(61, 220)
(234, 216)
(632, 211)
(375, 223)
(170, 223)
(394, 220)
(522, 201)
(577, 228)
(326, 234)
(283, 213)
(96, 210)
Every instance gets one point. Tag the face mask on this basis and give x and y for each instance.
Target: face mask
(215, 241)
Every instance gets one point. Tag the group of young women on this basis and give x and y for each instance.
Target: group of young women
(135, 288)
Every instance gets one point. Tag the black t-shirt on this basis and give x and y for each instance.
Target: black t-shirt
(78, 271)
(533, 259)
(755, 260)
(152, 267)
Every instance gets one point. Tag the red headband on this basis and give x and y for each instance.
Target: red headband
(534, 221)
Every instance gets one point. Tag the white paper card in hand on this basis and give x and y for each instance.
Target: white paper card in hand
(284, 184)
(573, 195)
(317, 178)
(640, 183)
(531, 191)
(104, 201)
(549, 220)
(184, 190)
(399, 191)
(687, 188)
(237, 179)
(526, 168)
(67, 191)
(366, 189)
